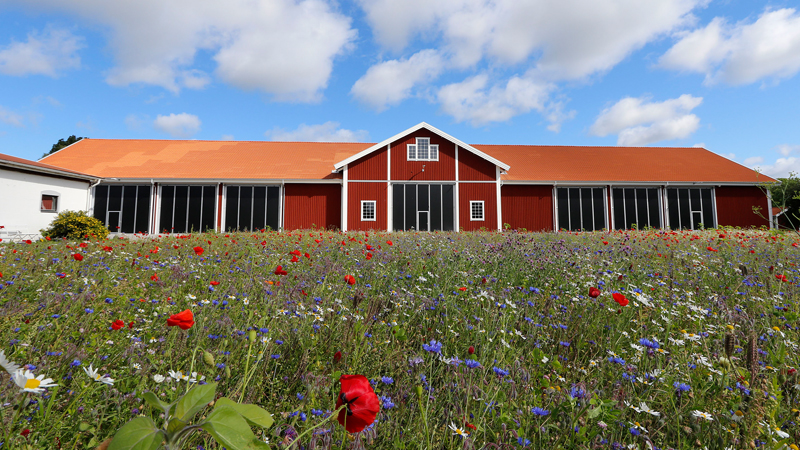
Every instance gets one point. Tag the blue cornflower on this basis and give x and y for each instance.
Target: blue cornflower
(433, 347)
(635, 432)
(577, 392)
(499, 372)
(300, 396)
(539, 411)
(75, 363)
(649, 344)
(523, 442)
(220, 365)
(274, 356)
(681, 387)
(386, 402)
(563, 343)
(278, 341)
(616, 359)
(472, 364)
(387, 380)
(89, 310)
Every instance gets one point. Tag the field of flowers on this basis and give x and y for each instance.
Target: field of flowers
(638, 339)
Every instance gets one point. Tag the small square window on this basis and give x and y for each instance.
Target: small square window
(423, 150)
(368, 210)
(476, 210)
(49, 203)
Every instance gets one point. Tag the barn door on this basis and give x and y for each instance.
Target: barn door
(423, 207)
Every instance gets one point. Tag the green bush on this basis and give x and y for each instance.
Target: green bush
(75, 225)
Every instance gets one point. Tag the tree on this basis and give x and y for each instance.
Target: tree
(63, 143)
(786, 195)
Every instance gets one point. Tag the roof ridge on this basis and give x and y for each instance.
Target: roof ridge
(220, 140)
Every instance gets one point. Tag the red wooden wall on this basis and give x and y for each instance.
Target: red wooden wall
(366, 191)
(472, 167)
(370, 167)
(529, 207)
(735, 206)
(476, 192)
(312, 204)
(442, 170)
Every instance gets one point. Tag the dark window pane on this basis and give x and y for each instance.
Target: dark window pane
(708, 209)
(672, 209)
(195, 208)
(642, 216)
(209, 220)
(587, 209)
(618, 199)
(683, 208)
(181, 209)
(232, 208)
(694, 198)
(115, 198)
(630, 208)
(600, 212)
(448, 209)
(273, 207)
(563, 208)
(100, 203)
(398, 207)
(422, 198)
(411, 206)
(655, 207)
(259, 207)
(436, 207)
(423, 221)
(113, 221)
(128, 209)
(245, 208)
(167, 207)
(143, 210)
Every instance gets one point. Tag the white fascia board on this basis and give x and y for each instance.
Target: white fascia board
(44, 170)
(230, 181)
(419, 126)
(629, 183)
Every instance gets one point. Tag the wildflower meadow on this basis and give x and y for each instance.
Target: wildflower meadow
(494, 340)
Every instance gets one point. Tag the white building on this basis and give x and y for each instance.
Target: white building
(32, 194)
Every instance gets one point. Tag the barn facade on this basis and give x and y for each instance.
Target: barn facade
(420, 179)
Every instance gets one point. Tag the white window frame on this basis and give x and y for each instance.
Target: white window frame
(374, 210)
(472, 211)
(412, 155)
(55, 202)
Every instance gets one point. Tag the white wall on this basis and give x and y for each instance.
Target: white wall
(21, 197)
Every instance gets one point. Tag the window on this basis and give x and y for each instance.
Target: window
(123, 209)
(636, 208)
(49, 203)
(187, 209)
(581, 209)
(690, 208)
(368, 210)
(252, 208)
(476, 210)
(423, 150)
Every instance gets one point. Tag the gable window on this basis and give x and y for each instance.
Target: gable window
(49, 203)
(423, 150)
(368, 210)
(476, 210)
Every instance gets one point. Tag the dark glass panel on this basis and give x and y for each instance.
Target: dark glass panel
(642, 215)
(563, 208)
(167, 208)
(685, 215)
(181, 209)
(655, 207)
(411, 206)
(209, 221)
(259, 207)
(618, 199)
(273, 207)
(672, 209)
(708, 209)
(448, 210)
(232, 208)
(245, 208)
(115, 198)
(195, 208)
(423, 220)
(630, 208)
(113, 221)
(398, 207)
(574, 209)
(100, 203)
(587, 209)
(599, 209)
(128, 209)
(436, 207)
(143, 210)
(422, 198)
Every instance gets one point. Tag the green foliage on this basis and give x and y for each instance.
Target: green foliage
(786, 194)
(140, 433)
(75, 225)
(63, 143)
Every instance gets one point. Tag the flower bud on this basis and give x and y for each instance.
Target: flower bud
(208, 358)
(252, 336)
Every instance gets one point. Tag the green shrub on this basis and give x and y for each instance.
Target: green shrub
(75, 225)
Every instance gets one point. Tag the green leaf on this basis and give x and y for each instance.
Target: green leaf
(229, 429)
(594, 412)
(174, 426)
(253, 414)
(194, 400)
(153, 400)
(138, 434)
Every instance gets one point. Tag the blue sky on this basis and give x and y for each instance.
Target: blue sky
(719, 74)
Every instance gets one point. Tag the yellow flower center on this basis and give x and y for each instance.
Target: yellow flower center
(32, 383)
(776, 328)
(739, 413)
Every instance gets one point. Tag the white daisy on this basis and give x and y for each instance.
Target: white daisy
(9, 366)
(159, 378)
(702, 415)
(457, 431)
(645, 409)
(29, 383)
(93, 374)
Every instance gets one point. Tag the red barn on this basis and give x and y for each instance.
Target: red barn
(420, 179)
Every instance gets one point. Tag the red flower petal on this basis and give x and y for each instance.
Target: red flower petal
(362, 403)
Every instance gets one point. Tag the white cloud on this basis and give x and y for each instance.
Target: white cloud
(781, 168)
(731, 156)
(473, 101)
(227, 137)
(390, 82)
(282, 47)
(743, 53)
(752, 161)
(10, 117)
(700, 145)
(46, 53)
(325, 132)
(181, 125)
(136, 122)
(637, 121)
(787, 149)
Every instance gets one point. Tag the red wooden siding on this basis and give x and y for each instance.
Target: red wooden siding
(486, 192)
(370, 167)
(356, 192)
(472, 167)
(735, 206)
(442, 170)
(312, 204)
(529, 207)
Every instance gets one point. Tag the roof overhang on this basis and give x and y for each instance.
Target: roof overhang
(48, 171)
(231, 181)
(628, 183)
(434, 130)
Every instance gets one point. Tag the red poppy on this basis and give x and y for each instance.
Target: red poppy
(215, 283)
(199, 250)
(362, 404)
(108, 249)
(295, 259)
(295, 253)
(154, 277)
(619, 298)
(471, 350)
(711, 249)
(77, 257)
(25, 433)
(369, 256)
(389, 242)
(781, 277)
(351, 280)
(130, 325)
(462, 289)
(594, 292)
(337, 357)
(307, 255)
(117, 325)
(279, 271)
(184, 320)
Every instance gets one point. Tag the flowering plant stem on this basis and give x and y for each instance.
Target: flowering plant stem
(328, 419)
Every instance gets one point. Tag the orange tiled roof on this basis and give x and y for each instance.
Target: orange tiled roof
(123, 158)
(622, 164)
(33, 165)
